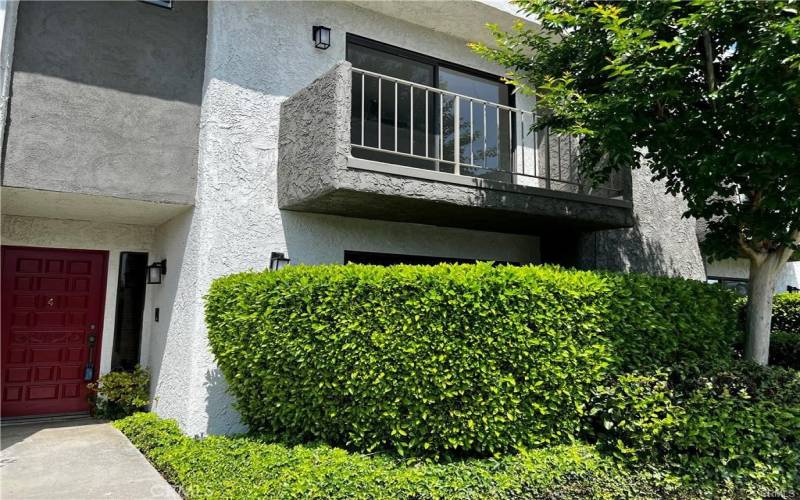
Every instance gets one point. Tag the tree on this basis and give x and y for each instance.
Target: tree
(704, 93)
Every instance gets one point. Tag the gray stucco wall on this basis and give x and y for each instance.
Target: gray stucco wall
(661, 242)
(106, 99)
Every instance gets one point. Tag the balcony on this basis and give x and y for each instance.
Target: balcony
(362, 144)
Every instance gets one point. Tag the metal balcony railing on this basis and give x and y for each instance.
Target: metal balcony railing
(406, 123)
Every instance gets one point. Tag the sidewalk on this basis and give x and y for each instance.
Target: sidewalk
(74, 459)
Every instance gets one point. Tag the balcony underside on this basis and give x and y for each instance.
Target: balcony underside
(454, 201)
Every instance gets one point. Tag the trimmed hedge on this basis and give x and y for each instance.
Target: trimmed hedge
(448, 359)
(784, 349)
(786, 313)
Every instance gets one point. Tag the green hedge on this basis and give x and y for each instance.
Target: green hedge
(449, 359)
(738, 424)
(786, 313)
(784, 349)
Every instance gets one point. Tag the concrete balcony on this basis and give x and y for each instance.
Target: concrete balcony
(448, 160)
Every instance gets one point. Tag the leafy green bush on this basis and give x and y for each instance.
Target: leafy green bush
(786, 313)
(632, 415)
(784, 349)
(247, 467)
(449, 359)
(121, 393)
(738, 425)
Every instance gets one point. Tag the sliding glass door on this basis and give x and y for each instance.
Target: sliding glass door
(395, 122)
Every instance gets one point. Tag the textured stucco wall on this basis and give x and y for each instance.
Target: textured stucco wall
(661, 241)
(740, 268)
(106, 99)
(172, 336)
(258, 53)
(115, 238)
(8, 28)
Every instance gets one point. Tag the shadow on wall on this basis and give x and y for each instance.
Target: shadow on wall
(127, 46)
(222, 417)
(630, 250)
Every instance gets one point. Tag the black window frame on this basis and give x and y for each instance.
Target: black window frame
(393, 259)
(369, 43)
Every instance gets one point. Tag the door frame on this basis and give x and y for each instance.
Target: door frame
(104, 254)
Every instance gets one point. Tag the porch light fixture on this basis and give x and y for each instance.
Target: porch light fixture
(155, 271)
(321, 36)
(277, 261)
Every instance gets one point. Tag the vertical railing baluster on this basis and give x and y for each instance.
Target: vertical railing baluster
(547, 158)
(510, 144)
(427, 129)
(484, 135)
(536, 162)
(456, 135)
(560, 170)
(380, 118)
(396, 109)
(497, 136)
(441, 129)
(522, 140)
(411, 122)
(471, 136)
(363, 105)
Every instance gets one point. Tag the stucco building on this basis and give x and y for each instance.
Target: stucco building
(192, 140)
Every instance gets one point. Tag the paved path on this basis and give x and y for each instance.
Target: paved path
(77, 459)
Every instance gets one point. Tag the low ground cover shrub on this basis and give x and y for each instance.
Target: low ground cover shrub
(451, 359)
(248, 467)
(121, 393)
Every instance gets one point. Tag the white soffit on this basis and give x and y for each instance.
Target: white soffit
(75, 206)
(464, 19)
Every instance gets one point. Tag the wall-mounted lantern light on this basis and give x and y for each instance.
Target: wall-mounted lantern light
(155, 271)
(277, 261)
(322, 37)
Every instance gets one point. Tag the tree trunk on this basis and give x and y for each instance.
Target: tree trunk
(763, 275)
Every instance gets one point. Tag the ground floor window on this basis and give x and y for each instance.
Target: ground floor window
(130, 310)
(391, 259)
(738, 285)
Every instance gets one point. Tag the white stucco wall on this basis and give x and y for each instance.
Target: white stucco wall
(259, 53)
(740, 268)
(86, 235)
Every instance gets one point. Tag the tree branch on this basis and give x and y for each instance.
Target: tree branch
(755, 257)
(789, 251)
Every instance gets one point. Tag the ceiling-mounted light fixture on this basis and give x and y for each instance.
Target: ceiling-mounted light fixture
(321, 36)
(277, 261)
(155, 271)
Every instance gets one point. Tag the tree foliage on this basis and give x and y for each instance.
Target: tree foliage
(705, 93)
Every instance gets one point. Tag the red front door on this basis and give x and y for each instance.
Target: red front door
(52, 306)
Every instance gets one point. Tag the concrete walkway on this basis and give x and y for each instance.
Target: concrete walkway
(74, 459)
